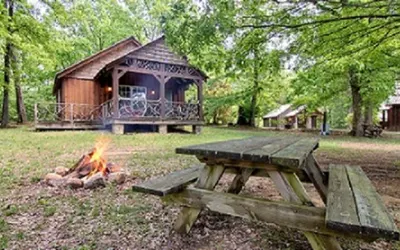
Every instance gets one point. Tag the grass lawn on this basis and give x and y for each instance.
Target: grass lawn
(36, 216)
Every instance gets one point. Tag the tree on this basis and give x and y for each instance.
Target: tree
(9, 9)
(248, 59)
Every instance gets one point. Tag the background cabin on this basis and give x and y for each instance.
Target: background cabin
(288, 117)
(390, 111)
(126, 86)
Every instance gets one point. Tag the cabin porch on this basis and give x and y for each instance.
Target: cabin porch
(141, 100)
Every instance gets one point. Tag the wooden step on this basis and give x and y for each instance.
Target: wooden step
(354, 205)
(171, 183)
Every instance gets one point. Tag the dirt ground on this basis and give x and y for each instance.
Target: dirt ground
(35, 216)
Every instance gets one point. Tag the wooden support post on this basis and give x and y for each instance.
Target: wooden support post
(200, 98)
(290, 187)
(118, 129)
(162, 129)
(208, 179)
(115, 90)
(196, 129)
(36, 114)
(317, 177)
(161, 80)
(296, 122)
(239, 180)
(71, 114)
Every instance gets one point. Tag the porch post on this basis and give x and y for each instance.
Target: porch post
(161, 79)
(115, 89)
(200, 98)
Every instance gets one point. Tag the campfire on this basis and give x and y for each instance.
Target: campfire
(91, 171)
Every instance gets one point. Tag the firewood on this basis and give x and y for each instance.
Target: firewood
(94, 181)
(82, 168)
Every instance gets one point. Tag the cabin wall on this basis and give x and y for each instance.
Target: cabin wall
(394, 118)
(79, 91)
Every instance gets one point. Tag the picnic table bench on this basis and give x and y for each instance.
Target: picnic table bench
(353, 208)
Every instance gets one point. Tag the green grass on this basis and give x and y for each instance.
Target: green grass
(95, 216)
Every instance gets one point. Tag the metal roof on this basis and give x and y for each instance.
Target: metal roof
(277, 112)
(296, 111)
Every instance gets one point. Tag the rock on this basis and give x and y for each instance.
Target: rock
(94, 181)
(61, 171)
(117, 178)
(74, 183)
(52, 176)
(113, 168)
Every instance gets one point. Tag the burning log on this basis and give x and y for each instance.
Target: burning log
(91, 171)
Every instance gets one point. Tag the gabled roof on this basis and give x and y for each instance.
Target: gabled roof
(277, 112)
(156, 50)
(296, 111)
(395, 99)
(97, 55)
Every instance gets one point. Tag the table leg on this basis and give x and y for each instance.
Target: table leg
(208, 179)
(239, 180)
(293, 190)
(317, 177)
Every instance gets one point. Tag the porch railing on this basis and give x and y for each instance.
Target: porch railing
(182, 111)
(66, 112)
(128, 109)
(138, 108)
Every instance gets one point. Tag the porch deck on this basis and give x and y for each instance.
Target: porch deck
(63, 116)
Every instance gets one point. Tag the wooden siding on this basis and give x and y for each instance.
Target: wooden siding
(81, 91)
(91, 69)
(158, 51)
(394, 118)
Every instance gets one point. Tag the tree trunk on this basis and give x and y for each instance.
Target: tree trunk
(369, 114)
(324, 123)
(5, 116)
(354, 82)
(242, 117)
(254, 98)
(18, 90)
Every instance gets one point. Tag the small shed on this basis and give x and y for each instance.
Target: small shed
(275, 118)
(391, 111)
(288, 117)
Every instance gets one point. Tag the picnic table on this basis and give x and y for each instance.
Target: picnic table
(353, 208)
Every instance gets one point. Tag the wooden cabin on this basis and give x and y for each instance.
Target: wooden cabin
(288, 117)
(390, 116)
(127, 86)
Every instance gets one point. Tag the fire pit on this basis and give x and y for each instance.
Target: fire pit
(91, 171)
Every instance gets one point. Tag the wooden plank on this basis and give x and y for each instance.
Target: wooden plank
(171, 183)
(208, 179)
(295, 154)
(292, 190)
(374, 218)
(257, 149)
(283, 187)
(300, 217)
(317, 176)
(239, 180)
(341, 211)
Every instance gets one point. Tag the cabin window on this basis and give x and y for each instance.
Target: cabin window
(131, 91)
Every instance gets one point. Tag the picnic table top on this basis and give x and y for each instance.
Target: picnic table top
(283, 151)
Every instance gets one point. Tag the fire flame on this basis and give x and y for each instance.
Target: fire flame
(98, 158)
